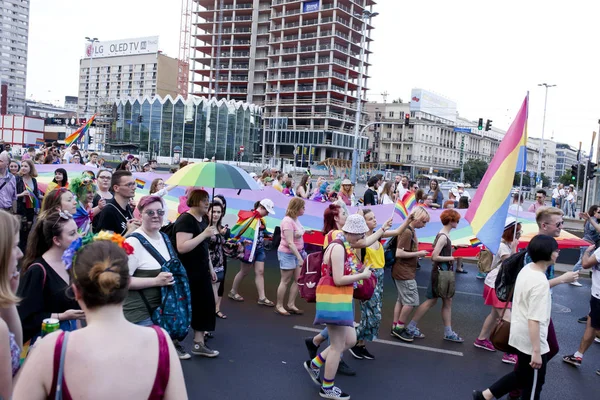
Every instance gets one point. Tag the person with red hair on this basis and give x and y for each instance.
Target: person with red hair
(441, 284)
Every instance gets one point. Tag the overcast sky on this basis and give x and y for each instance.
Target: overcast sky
(484, 55)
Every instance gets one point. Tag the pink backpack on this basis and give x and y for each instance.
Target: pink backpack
(310, 274)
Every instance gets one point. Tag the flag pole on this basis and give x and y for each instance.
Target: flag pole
(520, 193)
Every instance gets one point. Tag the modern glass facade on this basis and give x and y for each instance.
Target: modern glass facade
(202, 127)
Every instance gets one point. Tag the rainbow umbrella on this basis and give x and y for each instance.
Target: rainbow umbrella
(213, 175)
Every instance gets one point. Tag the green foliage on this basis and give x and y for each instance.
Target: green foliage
(474, 171)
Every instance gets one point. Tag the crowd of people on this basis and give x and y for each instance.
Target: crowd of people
(59, 261)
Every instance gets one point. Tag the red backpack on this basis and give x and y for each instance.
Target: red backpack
(310, 274)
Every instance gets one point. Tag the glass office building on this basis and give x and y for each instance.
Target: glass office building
(201, 127)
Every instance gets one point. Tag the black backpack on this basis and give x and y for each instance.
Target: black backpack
(507, 275)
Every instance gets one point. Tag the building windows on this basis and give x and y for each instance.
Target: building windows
(391, 114)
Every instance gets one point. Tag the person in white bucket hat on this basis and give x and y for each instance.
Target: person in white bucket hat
(256, 256)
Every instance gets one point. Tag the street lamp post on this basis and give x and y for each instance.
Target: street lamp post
(275, 130)
(87, 106)
(539, 168)
(366, 16)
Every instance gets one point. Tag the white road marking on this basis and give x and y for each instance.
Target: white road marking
(392, 343)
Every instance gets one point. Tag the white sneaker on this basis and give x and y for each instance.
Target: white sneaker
(597, 339)
(576, 284)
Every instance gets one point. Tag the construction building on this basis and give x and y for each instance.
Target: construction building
(301, 60)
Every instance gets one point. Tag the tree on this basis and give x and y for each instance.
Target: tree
(397, 101)
(474, 171)
(545, 181)
(517, 180)
(568, 179)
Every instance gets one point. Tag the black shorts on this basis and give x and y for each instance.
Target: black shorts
(595, 312)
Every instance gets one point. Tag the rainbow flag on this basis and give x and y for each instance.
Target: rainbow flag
(140, 183)
(246, 230)
(400, 208)
(489, 207)
(79, 133)
(40, 142)
(410, 201)
(475, 242)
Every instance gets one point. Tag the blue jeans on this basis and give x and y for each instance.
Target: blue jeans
(579, 265)
(553, 202)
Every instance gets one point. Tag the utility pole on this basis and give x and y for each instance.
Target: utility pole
(539, 169)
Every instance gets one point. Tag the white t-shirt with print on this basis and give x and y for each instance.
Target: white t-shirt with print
(531, 301)
(141, 258)
(490, 279)
(596, 276)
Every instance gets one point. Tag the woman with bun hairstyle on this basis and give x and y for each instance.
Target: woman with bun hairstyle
(109, 346)
(45, 282)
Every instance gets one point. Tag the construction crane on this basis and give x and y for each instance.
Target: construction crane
(185, 36)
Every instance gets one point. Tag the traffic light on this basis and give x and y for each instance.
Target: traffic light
(591, 170)
(488, 125)
(480, 124)
(406, 119)
(140, 118)
(368, 156)
(574, 170)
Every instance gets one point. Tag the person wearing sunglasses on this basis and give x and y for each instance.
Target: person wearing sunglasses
(145, 270)
(44, 287)
(540, 198)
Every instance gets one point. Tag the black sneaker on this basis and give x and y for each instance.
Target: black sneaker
(333, 393)
(357, 352)
(583, 320)
(402, 334)
(574, 361)
(477, 395)
(311, 347)
(181, 352)
(313, 373)
(366, 354)
(200, 349)
(345, 369)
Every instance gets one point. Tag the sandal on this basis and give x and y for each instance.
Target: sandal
(282, 312)
(266, 302)
(219, 314)
(295, 311)
(235, 296)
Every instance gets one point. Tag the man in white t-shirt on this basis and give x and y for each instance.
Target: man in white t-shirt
(93, 161)
(517, 203)
(69, 154)
(462, 192)
(556, 195)
(593, 322)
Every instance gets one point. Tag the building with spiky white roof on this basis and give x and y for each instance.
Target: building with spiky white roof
(197, 127)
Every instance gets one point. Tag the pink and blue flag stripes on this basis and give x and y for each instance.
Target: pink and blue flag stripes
(488, 210)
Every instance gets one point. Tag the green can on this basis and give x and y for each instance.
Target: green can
(50, 325)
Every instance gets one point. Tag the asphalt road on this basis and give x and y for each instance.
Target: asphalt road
(262, 353)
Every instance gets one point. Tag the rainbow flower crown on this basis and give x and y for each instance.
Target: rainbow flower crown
(70, 254)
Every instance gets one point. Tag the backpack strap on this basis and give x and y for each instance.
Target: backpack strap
(151, 249)
(170, 247)
(44, 270)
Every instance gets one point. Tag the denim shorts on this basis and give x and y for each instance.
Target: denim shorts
(259, 254)
(147, 322)
(288, 261)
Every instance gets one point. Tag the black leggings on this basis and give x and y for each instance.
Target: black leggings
(523, 377)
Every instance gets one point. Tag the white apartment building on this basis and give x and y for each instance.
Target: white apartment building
(120, 69)
(549, 157)
(566, 155)
(429, 144)
(14, 37)
(300, 59)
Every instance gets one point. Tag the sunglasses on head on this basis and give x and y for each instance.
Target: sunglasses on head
(64, 215)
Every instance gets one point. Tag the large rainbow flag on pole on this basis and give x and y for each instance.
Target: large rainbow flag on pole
(79, 133)
(489, 207)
